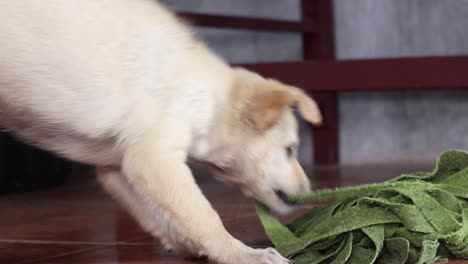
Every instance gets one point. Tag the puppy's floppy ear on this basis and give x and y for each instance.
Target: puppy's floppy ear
(263, 100)
(307, 107)
(263, 108)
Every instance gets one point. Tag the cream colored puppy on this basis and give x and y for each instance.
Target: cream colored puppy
(123, 85)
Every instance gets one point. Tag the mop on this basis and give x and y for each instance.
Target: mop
(415, 218)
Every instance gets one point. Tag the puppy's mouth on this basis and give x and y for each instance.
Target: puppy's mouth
(284, 198)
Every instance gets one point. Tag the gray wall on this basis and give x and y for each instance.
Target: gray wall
(401, 126)
(247, 46)
(375, 127)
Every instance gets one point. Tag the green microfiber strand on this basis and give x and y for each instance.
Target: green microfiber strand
(415, 218)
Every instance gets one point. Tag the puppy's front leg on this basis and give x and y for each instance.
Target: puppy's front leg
(150, 220)
(164, 181)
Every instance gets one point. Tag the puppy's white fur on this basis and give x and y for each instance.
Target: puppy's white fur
(123, 85)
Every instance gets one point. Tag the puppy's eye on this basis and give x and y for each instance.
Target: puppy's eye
(290, 151)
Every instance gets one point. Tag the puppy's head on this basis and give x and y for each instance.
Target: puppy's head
(263, 139)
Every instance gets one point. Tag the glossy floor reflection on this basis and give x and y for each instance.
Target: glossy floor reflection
(78, 223)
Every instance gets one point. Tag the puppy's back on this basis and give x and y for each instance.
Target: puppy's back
(64, 60)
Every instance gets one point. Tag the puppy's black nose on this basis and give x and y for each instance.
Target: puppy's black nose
(284, 197)
(281, 195)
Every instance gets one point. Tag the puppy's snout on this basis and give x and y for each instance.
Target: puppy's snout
(307, 187)
(303, 182)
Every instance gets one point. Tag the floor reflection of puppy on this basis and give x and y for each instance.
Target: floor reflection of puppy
(124, 85)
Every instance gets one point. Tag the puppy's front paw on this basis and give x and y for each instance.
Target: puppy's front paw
(268, 256)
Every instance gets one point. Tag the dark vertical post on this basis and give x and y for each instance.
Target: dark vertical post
(321, 46)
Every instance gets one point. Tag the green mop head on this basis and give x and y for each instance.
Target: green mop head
(415, 218)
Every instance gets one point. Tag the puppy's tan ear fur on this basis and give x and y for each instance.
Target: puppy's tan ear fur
(307, 107)
(263, 109)
(262, 100)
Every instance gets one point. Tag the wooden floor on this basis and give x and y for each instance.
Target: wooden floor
(79, 224)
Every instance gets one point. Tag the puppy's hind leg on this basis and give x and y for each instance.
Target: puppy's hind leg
(149, 218)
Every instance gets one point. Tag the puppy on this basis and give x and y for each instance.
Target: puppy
(124, 85)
